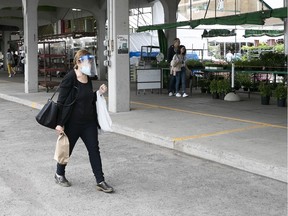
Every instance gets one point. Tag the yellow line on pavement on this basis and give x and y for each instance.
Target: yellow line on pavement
(217, 133)
(34, 105)
(211, 115)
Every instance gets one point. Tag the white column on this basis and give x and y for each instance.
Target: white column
(30, 45)
(101, 32)
(118, 71)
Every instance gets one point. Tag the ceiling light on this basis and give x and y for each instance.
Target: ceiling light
(76, 9)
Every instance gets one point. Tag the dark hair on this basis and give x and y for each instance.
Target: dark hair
(180, 47)
(178, 51)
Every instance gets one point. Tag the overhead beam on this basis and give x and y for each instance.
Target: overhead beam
(255, 18)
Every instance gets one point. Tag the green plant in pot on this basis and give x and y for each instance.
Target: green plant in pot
(281, 94)
(265, 92)
(214, 88)
(244, 79)
(239, 65)
(161, 64)
(223, 87)
(193, 64)
(237, 84)
(273, 60)
(203, 84)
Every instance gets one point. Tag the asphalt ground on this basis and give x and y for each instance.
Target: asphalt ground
(148, 179)
(245, 134)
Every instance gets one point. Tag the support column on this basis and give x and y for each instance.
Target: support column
(170, 16)
(30, 45)
(118, 71)
(101, 32)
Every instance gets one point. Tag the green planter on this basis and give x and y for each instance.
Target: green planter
(280, 92)
(281, 102)
(223, 87)
(243, 79)
(194, 64)
(266, 92)
(265, 100)
(265, 89)
(213, 89)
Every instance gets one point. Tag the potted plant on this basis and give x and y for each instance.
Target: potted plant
(223, 87)
(193, 64)
(214, 88)
(281, 94)
(203, 84)
(165, 66)
(265, 92)
(245, 80)
(237, 84)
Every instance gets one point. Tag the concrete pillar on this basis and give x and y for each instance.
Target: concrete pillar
(101, 33)
(30, 45)
(170, 16)
(2, 45)
(118, 71)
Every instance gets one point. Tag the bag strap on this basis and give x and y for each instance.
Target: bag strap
(74, 86)
(55, 92)
(74, 98)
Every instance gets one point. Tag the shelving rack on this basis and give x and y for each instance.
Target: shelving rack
(52, 60)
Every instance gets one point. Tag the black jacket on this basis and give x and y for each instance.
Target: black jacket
(171, 53)
(68, 90)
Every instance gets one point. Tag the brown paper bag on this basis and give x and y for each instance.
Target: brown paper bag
(62, 149)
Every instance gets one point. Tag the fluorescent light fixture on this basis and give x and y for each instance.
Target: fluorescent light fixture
(76, 9)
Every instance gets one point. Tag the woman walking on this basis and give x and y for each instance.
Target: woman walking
(80, 119)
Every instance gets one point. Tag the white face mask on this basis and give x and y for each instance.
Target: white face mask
(87, 65)
(86, 69)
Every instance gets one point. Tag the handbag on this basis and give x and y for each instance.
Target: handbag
(47, 116)
(104, 119)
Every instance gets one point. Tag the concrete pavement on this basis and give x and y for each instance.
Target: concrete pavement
(149, 180)
(245, 135)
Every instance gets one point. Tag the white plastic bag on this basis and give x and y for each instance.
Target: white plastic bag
(104, 119)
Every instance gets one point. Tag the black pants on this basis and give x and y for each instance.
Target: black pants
(172, 84)
(89, 134)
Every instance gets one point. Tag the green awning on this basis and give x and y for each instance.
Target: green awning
(218, 33)
(279, 13)
(163, 43)
(255, 18)
(259, 33)
(163, 26)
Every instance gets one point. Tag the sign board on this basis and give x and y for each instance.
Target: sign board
(122, 44)
(149, 79)
(15, 37)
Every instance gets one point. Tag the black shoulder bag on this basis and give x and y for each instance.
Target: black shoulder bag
(47, 116)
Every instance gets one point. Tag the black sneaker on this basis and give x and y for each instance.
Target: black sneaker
(61, 180)
(103, 186)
